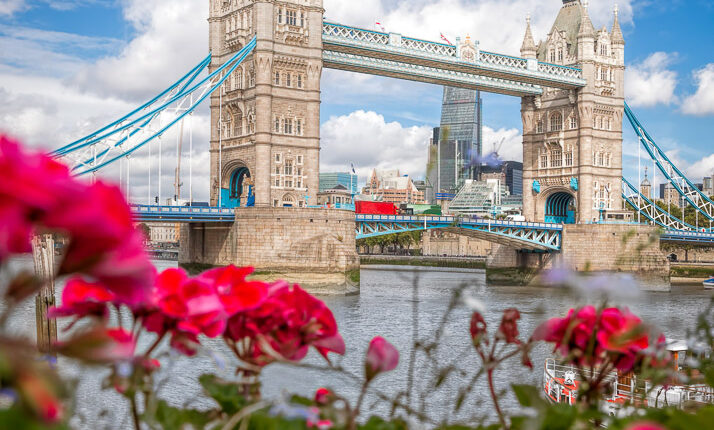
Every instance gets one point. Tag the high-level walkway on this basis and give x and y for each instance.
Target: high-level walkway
(391, 54)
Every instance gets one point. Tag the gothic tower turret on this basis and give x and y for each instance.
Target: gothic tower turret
(265, 136)
(572, 140)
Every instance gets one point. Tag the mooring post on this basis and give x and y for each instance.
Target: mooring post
(43, 253)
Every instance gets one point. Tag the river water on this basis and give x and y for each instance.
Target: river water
(386, 307)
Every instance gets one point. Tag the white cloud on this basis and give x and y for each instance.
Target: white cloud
(702, 168)
(650, 83)
(702, 101)
(9, 7)
(173, 37)
(498, 25)
(508, 142)
(368, 141)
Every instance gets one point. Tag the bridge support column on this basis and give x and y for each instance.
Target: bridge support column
(592, 249)
(312, 247)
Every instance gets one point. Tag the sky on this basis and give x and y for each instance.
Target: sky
(67, 67)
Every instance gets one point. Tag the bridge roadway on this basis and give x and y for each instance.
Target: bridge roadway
(519, 235)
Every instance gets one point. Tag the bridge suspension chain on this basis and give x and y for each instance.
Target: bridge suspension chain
(679, 181)
(142, 126)
(647, 208)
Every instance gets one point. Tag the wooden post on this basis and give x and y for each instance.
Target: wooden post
(43, 252)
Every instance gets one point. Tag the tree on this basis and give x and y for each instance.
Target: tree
(146, 230)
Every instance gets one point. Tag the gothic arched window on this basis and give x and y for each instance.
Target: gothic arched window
(556, 122)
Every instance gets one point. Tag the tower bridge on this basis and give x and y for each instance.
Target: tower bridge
(263, 82)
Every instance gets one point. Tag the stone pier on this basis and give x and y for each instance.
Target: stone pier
(312, 247)
(590, 249)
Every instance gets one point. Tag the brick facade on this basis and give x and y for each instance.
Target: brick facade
(267, 118)
(572, 140)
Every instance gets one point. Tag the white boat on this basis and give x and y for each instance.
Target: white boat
(561, 384)
(709, 284)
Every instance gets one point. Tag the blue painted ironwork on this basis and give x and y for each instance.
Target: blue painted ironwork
(146, 213)
(684, 186)
(137, 129)
(520, 235)
(558, 210)
(391, 54)
(643, 205)
(702, 237)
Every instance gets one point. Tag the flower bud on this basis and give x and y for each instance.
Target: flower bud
(382, 356)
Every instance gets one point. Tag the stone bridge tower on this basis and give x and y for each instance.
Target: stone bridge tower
(265, 123)
(572, 140)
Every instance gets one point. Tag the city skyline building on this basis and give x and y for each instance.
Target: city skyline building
(391, 186)
(509, 173)
(456, 145)
(330, 180)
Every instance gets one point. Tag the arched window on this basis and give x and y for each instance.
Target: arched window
(560, 54)
(287, 80)
(556, 122)
(544, 160)
(573, 122)
(238, 123)
(539, 126)
(569, 158)
(277, 78)
(552, 55)
(277, 125)
(299, 81)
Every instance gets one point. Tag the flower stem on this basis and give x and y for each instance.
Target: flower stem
(135, 413)
(494, 397)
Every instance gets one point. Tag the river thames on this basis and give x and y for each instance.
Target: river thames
(386, 307)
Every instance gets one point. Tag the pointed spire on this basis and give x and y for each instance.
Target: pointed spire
(616, 35)
(586, 26)
(528, 49)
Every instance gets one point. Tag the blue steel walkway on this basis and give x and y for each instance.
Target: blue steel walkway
(146, 213)
(519, 235)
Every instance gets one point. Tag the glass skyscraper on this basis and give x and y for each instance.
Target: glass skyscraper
(455, 149)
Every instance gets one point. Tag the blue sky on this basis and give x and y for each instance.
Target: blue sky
(69, 66)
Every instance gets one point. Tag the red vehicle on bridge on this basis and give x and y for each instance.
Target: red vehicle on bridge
(375, 208)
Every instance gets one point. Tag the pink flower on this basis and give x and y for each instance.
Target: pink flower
(234, 291)
(589, 337)
(382, 356)
(287, 323)
(322, 396)
(100, 346)
(81, 298)
(104, 243)
(645, 426)
(15, 230)
(508, 330)
(477, 328)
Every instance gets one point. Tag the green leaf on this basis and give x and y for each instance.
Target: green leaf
(16, 418)
(528, 396)
(227, 395)
(376, 423)
(171, 418)
(263, 421)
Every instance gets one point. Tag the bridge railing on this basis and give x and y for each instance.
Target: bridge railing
(181, 210)
(453, 220)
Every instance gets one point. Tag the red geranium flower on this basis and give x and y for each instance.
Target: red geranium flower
(81, 298)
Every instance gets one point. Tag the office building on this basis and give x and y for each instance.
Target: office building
(332, 179)
(509, 173)
(455, 146)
